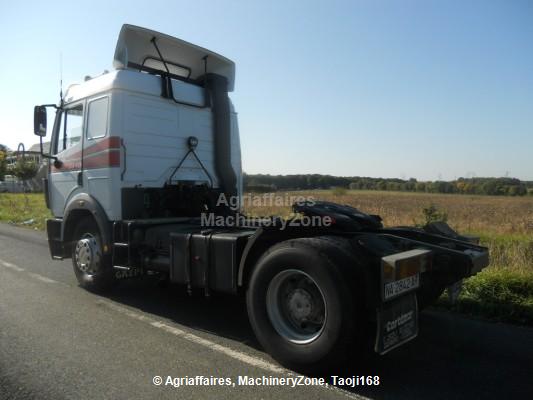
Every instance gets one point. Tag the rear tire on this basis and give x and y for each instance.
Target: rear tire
(302, 308)
(92, 268)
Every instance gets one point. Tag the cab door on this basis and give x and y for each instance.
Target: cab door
(65, 178)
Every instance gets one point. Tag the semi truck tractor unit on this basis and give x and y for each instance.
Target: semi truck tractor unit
(139, 160)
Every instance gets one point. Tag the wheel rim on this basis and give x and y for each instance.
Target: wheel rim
(87, 254)
(296, 306)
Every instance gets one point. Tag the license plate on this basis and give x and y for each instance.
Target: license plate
(397, 323)
(396, 288)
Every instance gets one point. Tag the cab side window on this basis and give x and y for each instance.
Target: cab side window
(71, 128)
(97, 118)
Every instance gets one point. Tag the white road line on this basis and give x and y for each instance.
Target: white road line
(253, 361)
(32, 274)
(41, 278)
(238, 355)
(11, 266)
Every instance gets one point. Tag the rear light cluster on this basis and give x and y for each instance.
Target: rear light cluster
(400, 271)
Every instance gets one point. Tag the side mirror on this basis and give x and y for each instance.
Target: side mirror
(39, 121)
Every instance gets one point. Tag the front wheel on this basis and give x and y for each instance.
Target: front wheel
(92, 268)
(302, 307)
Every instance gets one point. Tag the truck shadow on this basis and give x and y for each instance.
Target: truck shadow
(221, 315)
(453, 356)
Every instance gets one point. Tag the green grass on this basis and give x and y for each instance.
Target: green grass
(496, 294)
(503, 291)
(24, 209)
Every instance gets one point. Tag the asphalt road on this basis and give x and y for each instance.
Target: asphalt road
(58, 341)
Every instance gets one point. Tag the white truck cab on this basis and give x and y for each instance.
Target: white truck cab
(130, 129)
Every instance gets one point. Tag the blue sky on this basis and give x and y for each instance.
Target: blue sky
(424, 89)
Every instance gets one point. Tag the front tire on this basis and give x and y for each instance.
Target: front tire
(302, 307)
(92, 268)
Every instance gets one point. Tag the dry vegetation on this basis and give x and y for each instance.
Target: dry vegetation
(504, 291)
(505, 224)
(475, 214)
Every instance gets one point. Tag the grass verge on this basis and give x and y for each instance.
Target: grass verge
(497, 295)
(24, 209)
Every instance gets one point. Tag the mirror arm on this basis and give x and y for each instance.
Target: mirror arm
(42, 151)
(52, 105)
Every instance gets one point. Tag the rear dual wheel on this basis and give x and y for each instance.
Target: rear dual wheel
(302, 307)
(296, 306)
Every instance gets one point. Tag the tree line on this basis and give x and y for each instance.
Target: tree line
(266, 183)
(484, 186)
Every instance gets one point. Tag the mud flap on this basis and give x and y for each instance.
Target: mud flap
(397, 323)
